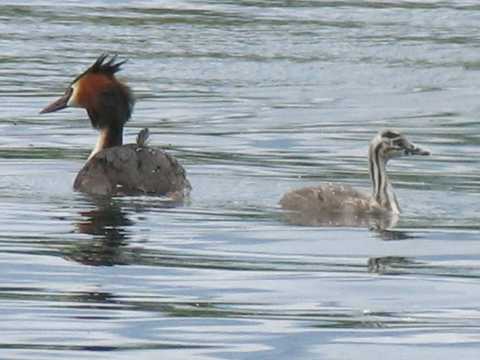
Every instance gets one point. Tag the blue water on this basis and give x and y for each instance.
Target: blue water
(254, 98)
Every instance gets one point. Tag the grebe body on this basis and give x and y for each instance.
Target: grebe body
(113, 168)
(341, 204)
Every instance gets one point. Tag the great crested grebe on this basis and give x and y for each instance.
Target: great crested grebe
(338, 204)
(112, 167)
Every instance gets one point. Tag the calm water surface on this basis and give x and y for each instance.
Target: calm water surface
(254, 98)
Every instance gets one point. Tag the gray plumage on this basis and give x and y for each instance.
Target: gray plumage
(335, 205)
(329, 198)
(131, 169)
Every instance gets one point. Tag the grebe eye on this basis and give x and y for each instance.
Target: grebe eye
(399, 143)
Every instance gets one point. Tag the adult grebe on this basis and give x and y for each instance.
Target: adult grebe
(114, 168)
(338, 204)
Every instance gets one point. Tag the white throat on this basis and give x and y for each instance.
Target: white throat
(72, 102)
(382, 188)
(101, 142)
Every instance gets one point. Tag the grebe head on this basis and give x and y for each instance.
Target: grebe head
(389, 144)
(109, 103)
(386, 145)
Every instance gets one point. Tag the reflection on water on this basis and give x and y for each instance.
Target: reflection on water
(387, 264)
(388, 234)
(108, 225)
(254, 98)
(376, 222)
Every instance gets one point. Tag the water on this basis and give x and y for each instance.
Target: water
(254, 98)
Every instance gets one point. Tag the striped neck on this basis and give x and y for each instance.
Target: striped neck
(108, 137)
(382, 189)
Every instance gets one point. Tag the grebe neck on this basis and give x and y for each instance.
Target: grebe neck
(382, 188)
(108, 137)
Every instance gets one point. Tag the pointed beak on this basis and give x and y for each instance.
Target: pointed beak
(415, 150)
(58, 104)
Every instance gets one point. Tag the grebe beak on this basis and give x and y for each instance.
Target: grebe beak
(415, 150)
(58, 104)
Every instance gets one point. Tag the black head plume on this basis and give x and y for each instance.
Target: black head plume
(103, 66)
(109, 67)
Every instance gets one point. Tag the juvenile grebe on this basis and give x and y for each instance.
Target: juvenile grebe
(112, 167)
(338, 204)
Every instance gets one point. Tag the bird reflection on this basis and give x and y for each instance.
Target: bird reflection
(379, 222)
(108, 224)
(389, 264)
(393, 235)
(110, 228)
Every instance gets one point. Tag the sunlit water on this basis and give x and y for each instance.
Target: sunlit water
(254, 98)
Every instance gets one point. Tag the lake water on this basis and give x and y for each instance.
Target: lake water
(254, 98)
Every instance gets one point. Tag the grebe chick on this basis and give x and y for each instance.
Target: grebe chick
(113, 168)
(342, 205)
